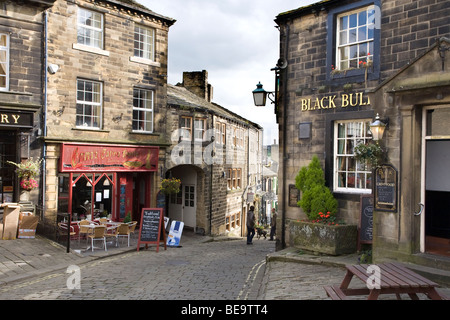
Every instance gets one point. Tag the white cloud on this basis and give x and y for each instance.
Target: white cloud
(235, 41)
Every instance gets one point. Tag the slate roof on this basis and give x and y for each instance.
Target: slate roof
(179, 96)
(137, 6)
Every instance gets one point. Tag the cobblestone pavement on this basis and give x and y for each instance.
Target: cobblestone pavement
(225, 270)
(204, 268)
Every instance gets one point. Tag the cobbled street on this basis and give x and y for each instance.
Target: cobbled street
(226, 270)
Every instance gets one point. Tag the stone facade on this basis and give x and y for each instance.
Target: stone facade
(21, 89)
(217, 152)
(317, 92)
(84, 65)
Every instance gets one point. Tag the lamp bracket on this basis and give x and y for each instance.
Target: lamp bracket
(271, 96)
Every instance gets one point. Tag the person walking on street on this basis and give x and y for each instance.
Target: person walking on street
(273, 224)
(250, 225)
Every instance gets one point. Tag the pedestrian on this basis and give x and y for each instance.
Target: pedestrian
(250, 225)
(273, 224)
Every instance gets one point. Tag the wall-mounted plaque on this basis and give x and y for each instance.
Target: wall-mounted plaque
(294, 196)
(385, 190)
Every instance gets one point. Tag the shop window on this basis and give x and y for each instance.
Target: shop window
(91, 195)
(144, 42)
(89, 104)
(353, 49)
(349, 174)
(90, 28)
(142, 110)
(7, 176)
(4, 62)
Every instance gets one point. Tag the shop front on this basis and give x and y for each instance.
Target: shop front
(97, 181)
(15, 140)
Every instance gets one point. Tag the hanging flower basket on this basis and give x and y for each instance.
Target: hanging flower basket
(28, 184)
(27, 169)
(170, 185)
(369, 154)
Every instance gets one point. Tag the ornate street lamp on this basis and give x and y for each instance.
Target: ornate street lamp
(377, 128)
(259, 95)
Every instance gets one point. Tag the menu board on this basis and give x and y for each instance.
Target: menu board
(385, 189)
(366, 219)
(152, 228)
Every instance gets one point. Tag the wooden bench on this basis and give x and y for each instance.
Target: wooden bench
(393, 278)
(335, 293)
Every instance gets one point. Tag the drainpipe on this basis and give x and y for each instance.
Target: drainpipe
(284, 154)
(211, 179)
(44, 118)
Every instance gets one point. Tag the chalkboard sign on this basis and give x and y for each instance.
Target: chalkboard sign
(385, 189)
(366, 219)
(152, 228)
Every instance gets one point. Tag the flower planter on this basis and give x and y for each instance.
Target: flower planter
(321, 238)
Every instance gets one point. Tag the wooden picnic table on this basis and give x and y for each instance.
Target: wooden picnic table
(394, 279)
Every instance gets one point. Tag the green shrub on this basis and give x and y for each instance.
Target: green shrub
(316, 197)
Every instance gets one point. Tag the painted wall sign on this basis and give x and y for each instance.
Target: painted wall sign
(85, 158)
(347, 100)
(16, 119)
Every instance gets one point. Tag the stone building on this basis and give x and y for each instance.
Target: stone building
(217, 156)
(348, 61)
(104, 134)
(21, 95)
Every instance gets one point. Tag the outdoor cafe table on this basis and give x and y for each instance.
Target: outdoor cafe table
(394, 278)
(108, 228)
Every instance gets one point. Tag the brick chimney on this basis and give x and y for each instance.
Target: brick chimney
(197, 83)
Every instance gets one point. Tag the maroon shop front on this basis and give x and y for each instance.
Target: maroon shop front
(106, 181)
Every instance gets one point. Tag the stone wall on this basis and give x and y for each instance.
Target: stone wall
(408, 29)
(119, 71)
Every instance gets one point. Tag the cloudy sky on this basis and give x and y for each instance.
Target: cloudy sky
(235, 41)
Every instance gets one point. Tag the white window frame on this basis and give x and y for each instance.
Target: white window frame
(352, 39)
(199, 131)
(4, 53)
(143, 103)
(93, 104)
(144, 42)
(345, 165)
(92, 35)
(186, 127)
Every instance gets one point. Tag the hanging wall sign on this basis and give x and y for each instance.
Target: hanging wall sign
(88, 158)
(385, 189)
